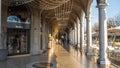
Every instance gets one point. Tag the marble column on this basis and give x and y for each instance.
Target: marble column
(43, 37)
(75, 36)
(78, 32)
(81, 33)
(35, 33)
(3, 28)
(89, 35)
(102, 4)
(72, 36)
(3, 17)
(1, 46)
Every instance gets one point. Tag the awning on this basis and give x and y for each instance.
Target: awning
(114, 31)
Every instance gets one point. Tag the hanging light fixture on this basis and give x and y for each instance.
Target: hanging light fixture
(62, 12)
(17, 2)
(43, 4)
(51, 4)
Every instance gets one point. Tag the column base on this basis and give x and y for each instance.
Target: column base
(36, 52)
(81, 50)
(106, 61)
(89, 53)
(3, 54)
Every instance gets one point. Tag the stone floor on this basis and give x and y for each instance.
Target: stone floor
(58, 56)
(75, 59)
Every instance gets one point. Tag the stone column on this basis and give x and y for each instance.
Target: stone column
(66, 38)
(75, 34)
(35, 33)
(43, 36)
(102, 4)
(82, 33)
(3, 17)
(89, 35)
(1, 46)
(78, 32)
(72, 36)
(47, 35)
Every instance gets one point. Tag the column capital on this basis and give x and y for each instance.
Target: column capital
(88, 16)
(102, 5)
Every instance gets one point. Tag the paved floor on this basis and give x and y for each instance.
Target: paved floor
(27, 61)
(75, 59)
(58, 56)
(64, 59)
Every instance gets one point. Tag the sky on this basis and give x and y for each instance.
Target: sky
(113, 9)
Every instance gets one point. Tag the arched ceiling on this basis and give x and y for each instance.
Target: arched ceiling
(61, 12)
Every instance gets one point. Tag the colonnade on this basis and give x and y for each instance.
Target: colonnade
(39, 34)
(101, 5)
(36, 35)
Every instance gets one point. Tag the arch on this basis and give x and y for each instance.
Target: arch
(88, 8)
(21, 12)
(18, 29)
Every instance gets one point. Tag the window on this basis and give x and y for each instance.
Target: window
(13, 19)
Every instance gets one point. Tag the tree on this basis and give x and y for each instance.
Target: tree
(117, 20)
(110, 23)
(113, 22)
(95, 27)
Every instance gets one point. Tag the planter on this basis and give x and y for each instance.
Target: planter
(3, 54)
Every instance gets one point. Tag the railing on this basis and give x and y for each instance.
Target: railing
(114, 65)
(115, 55)
(112, 55)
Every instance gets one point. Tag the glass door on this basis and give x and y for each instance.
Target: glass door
(17, 41)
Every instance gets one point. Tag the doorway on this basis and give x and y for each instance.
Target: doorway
(18, 41)
(18, 30)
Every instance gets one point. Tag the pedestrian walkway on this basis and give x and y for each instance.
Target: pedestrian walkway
(67, 59)
(27, 61)
(64, 59)
(57, 57)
